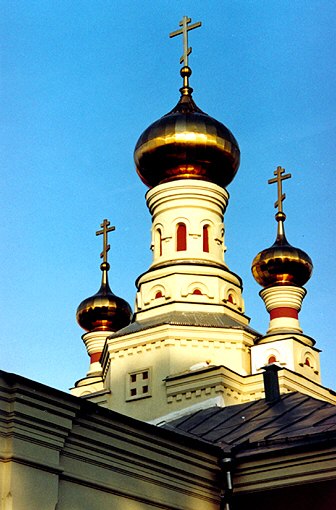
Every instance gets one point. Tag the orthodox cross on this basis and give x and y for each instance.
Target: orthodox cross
(184, 23)
(279, 177)
(105, 230)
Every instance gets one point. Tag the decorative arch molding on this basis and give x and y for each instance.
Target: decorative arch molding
(176, 221)
(207, 221)
(180, 239)
(196, 289)
(231, 297)
(308, 360)
(157, 294)
(272, 356)
(158, 226)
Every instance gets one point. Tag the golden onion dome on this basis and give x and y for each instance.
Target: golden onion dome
(104, 311)
(186, 143)
(281, 263)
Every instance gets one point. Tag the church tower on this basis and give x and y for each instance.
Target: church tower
(189, 313)
(282, 270)
(189, 344)
(100, 315)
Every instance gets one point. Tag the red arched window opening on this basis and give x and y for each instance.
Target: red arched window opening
(158, 294)
(272, 359)
(181, 237)
(307, 362)
(230, 299)
(197, 292)
(206, 238)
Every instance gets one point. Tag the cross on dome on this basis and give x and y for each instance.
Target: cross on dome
(184, 23)
(281, 263)
(105, 230)
(279, 177)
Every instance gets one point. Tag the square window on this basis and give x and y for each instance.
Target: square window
(138, 384)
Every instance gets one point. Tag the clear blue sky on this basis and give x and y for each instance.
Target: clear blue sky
(81, 80)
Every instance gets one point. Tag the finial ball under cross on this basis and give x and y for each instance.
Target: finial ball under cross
(106, 247)
(279, 177)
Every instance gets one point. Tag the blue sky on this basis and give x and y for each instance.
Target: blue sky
(81, 80)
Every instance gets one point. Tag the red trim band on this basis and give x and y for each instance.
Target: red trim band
(95, 357)
(284, 311)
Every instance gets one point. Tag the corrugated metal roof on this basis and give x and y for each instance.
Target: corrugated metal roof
(294, 415)
(175, 318)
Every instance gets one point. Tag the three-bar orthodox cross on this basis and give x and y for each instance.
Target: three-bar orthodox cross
(184, 23)
(105, 230)
(279, 177)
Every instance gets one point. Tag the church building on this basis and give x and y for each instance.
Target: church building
(184, 404)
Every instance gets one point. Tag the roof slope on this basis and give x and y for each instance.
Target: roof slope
(177, 318)
(294, 416)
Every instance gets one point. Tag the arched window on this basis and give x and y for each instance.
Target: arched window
(197, 292)
(158, 294)
(307, 362)
(181, 237)
(272, 359)
(206, 238)
(230, 299)
(158, 241)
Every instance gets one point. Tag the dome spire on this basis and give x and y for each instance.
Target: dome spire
(282, 270)
(281, 264)
(186, 90)
(280, 216)
(105, 266)
(101, 315)
(104, 311)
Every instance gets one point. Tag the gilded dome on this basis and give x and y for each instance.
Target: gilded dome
(186, 143)
(282, 264)
(104, 311)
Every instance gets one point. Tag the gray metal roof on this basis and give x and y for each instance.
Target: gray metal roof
(292, 417)
(198, 319)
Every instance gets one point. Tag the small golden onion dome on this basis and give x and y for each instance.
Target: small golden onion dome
(186, 143)
(104, 311)
(282, 264)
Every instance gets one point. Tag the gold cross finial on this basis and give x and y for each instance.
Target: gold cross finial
(106, 247)
(279, 177)
(184, 23)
